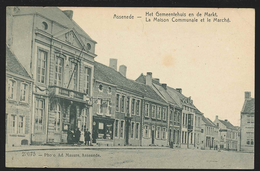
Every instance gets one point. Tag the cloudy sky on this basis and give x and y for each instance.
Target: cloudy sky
(213, 62)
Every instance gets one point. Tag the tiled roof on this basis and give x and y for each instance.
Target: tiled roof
(207, 121)
(165, 95)
(109, 75)
(13, 65)
(171, 91)
(227, 124)
(212, 123)
(249, 106)
(55, 14)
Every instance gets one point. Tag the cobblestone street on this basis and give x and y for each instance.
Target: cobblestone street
(131, 158)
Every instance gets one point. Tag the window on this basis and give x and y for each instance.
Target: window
(183, 119)
(109, 90)
(164, 114)
(24, 92)
(87, 83)
(11, 89)
(146, 110)
(58, 71)
(132, 129)
(196, 123)
(171, 114)
(116, 128)
(13, 124)
(164, 133)
(21, 125)
(100, 87)
(117, 102)
(250, 138)
(39, 114)
(186, 118)
(133, 107)
(185, 138)
(41, 66)
(127, 105)
(182, 136)
(159, 112)
(191, 134)
(199, 122)
(109, 107)
(57, 118)
(153, 111)
(146, 131)
(158, 132)
(175, 117)
(74, 74)
(122, 129)
(137, 107)
(99, 106)
(123, 104)
(137, 130)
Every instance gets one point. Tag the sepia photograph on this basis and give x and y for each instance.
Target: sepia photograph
(128, 87)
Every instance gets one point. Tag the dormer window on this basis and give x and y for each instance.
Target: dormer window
(88, 46)
(109, 90)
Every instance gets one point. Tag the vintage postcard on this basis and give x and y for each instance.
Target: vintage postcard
(92, 87)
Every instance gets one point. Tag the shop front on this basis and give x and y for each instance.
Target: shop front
(102, 133)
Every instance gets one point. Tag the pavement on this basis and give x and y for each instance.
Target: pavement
(74, 147)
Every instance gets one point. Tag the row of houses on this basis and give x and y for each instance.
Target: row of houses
(54, 85)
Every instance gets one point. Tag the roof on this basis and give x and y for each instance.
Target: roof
(228, 124)
(54, 14)
(13, 65)
(174, 94)
(208, 122)
(249, 106)
(109, 75)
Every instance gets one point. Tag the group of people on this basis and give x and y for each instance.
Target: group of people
(73, 137)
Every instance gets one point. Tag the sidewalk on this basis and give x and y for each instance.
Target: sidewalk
(75, 147)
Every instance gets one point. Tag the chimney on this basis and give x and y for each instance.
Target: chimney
(247, 95)
(164, 86)
(149, 78)
(226, 120)
(68, 13)
(122, 70)
(179, 90)
(157, 80)
(113, 63)
(216, 117)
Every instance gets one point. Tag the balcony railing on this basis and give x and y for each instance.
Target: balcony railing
(69, 93)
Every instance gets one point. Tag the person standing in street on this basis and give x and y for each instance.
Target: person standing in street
(87, 137)
(77, 135)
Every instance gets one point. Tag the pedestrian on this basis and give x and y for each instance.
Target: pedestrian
(69, 137)
(87, 137)
(77, 135)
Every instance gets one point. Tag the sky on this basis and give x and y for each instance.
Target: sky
(213, 62)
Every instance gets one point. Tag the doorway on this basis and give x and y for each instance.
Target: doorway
(152, 136)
